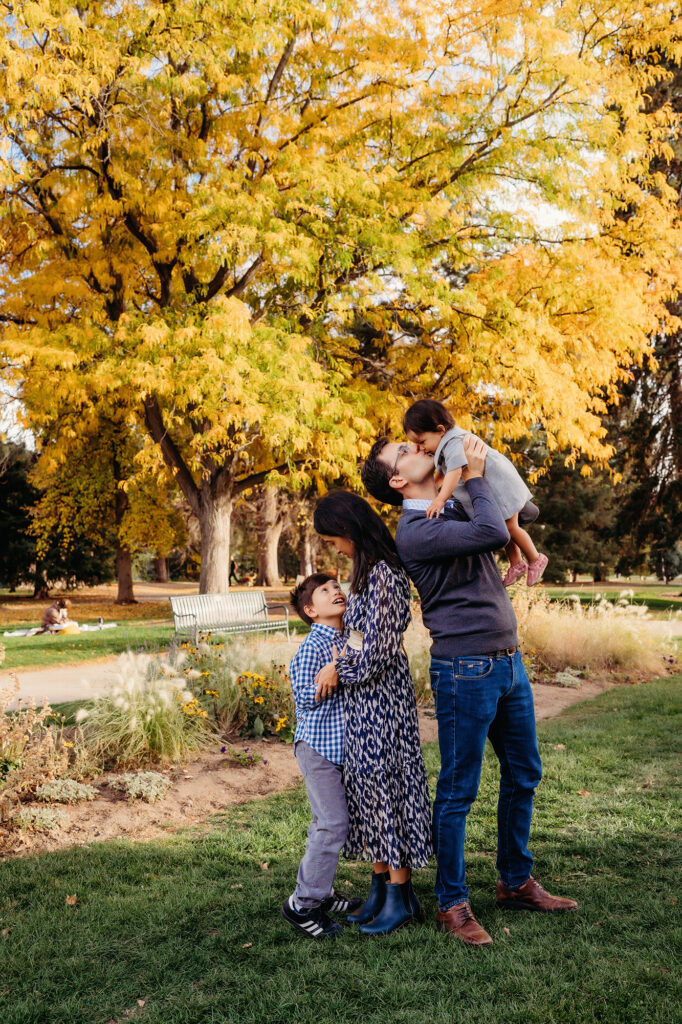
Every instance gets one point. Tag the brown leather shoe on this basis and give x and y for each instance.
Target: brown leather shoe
(531, 896)
(460, 922)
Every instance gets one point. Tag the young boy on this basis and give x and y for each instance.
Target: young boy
(318, 746)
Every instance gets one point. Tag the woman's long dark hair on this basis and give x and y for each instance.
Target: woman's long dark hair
(343, 514)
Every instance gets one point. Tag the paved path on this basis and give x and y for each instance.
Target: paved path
(73, 682)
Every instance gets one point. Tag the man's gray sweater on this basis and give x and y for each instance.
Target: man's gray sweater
(450, 561)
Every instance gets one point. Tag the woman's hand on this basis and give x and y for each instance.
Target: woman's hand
(327, 679)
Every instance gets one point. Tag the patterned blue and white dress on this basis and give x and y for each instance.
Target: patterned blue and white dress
(383, 770)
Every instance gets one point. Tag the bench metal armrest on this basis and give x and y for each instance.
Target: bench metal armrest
(184, 620)
(278, 604)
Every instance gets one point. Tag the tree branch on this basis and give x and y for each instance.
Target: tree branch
(171, 454)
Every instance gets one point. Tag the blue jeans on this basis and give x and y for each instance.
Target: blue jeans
(478, 697)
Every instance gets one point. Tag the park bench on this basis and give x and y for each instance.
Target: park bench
(239, 612)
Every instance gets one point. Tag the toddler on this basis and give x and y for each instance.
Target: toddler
(429, 425)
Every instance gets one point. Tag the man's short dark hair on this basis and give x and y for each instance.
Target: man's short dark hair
(376, 475)
(301, 596)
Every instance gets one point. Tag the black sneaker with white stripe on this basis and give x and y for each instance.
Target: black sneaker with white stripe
(312, 922)
(340, 903)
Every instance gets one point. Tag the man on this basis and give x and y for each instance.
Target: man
(479, 683)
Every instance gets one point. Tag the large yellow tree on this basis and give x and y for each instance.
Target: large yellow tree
(200, 200)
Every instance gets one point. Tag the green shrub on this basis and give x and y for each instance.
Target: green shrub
(211, 674)
(31, 750)
(266, 706)
(38, 819)
(149, 786)
(243, 685)
(65, 791)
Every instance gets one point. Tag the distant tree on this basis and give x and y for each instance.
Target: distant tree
(17, 552)
(646, 427)
(77, 558)
(89, 488)
(577, 509)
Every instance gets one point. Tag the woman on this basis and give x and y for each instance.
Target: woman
(384, 774)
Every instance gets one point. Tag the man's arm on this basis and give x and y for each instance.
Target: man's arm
(433, 540)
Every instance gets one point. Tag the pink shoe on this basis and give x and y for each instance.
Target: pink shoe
(514, 573)
(536, 569)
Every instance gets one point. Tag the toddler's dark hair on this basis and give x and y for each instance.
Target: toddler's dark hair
(301, 596)
(427, 415)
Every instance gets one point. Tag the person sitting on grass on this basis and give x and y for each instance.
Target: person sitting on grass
(318, 746)
(56, 617)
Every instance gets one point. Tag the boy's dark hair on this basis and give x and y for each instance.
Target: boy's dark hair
(344, 514)
(376, 474)
(427, 415)
(301, 596)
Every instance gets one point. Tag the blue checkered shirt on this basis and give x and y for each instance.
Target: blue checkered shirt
(318, 723)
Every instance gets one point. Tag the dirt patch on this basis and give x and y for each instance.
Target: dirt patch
(213, 782)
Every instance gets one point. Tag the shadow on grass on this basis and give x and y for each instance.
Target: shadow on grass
(191, 925)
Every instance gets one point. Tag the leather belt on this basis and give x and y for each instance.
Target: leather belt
(507, 653)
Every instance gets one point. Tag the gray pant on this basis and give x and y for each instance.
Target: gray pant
(328, 829)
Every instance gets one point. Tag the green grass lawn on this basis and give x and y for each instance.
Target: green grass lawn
(190, 924)
(48, 651)
(663, 599)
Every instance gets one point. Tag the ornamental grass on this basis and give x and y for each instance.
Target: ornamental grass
(621, 637)
(150, 714)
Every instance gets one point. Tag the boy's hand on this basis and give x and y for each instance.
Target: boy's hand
(475, 451)
(327, 679)
(436, 507)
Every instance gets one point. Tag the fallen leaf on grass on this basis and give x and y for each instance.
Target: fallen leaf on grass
(584, 792)
(506, 931)
(214, 931)
(264, 866)
(5, 932)
(597, 924)
(237, 886)
(247, 945)
(71, 901)
(140, 1002)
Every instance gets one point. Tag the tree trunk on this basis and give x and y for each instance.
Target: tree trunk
(161, 568)
(270, 527)
(124, 561)
(41, 590)
(308, 550)
(124, 575)
(214, 520)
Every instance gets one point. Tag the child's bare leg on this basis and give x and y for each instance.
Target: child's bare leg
(522, 539)
(513, 552)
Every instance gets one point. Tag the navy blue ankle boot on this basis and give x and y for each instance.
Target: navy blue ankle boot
(412, 901)
(374, 902)
(394, 914)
